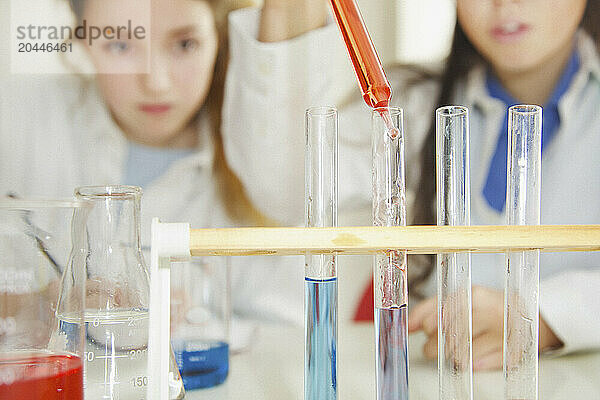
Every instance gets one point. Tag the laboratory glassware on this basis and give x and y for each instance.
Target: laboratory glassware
(455, 371)
(371, 77)
(42, 253)
(389, 268)
(374, 86)
(320, 298)
(117, 289)
(521, 296)
(200, 320)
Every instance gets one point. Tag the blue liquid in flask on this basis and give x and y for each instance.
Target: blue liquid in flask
(202, 364)
(391, 353)
(321, 339)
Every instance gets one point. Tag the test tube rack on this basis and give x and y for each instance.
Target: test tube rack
(176, 241)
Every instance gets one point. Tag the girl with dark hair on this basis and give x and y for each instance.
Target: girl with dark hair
(504, 52)
(530, 53)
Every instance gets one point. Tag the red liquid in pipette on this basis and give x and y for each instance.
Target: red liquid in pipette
(41, 376)
(373, 83)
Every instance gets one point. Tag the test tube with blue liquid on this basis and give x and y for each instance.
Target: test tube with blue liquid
(320, 298)
(453, 269)
(389, 275)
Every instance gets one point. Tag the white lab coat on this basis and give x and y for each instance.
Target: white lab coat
(56, 134)
(271, 84)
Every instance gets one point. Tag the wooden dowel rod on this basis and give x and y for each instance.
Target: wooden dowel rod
(414, 239)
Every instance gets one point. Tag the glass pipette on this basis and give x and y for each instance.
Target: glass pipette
(375, 88)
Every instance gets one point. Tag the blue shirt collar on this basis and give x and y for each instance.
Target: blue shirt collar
(494, 189)
(496, 90)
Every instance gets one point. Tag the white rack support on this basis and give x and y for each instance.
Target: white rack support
(170, 242)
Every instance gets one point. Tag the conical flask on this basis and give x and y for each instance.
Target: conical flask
(117, 298)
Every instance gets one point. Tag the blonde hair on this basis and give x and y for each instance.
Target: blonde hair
(232, 192)
(230, 189)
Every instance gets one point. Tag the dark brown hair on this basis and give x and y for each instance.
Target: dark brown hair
(230, 189)
(463, 56)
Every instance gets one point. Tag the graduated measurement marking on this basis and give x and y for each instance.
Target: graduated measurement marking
(107, 382)
(112, 356)
(116, 353)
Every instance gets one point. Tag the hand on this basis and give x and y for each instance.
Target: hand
(285, 19)
(488, 317)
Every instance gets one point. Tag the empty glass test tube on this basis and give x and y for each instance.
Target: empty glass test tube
(389, 268)
(455, 371)
(320, 298)
(521, 296)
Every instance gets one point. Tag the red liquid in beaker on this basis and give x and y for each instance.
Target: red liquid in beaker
(41, 376)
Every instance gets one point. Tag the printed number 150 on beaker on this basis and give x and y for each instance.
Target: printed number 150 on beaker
(116, 354)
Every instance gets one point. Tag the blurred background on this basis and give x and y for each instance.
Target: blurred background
(395, 26)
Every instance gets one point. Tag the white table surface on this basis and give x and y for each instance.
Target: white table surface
(273, 368)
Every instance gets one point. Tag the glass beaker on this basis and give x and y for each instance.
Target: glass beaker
(200, 320)
(42, 255)
(117, 289)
